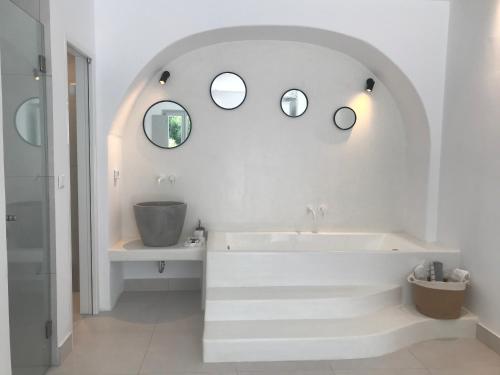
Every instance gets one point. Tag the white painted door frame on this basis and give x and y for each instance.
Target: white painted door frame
(86, 186)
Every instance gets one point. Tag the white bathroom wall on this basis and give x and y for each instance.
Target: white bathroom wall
(254, 168)
(111, 287)
(470, 174)
(71, 21)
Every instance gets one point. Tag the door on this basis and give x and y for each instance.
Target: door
(26, 190)
(80, 180)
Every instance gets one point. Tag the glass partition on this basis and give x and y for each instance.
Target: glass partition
(26, 189)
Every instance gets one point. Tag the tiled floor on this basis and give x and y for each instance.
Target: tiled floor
(155, 333)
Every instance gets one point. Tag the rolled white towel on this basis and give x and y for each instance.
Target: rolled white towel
(459, 275)
(421, 272)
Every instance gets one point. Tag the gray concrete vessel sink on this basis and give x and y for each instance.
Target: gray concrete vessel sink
(160, 223)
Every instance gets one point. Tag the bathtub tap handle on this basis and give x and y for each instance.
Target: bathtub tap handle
(310, 209)
(323, 209)
(160, 179)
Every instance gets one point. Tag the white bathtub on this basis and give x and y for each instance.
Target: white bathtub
(297, 241)
(253, 259)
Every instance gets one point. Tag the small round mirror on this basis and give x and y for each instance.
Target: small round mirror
(167, 124)
(344, 118)
(228, 90)
(294, 103)
(28, 122)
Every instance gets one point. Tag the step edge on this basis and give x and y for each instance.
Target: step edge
(463, 320)
(396, 289)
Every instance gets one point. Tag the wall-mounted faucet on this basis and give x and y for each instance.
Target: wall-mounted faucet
(323, 209)
(311, 210)
(161, 177)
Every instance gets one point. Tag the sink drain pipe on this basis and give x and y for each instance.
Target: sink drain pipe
(161, 266)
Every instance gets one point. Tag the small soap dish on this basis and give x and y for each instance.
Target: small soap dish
(193, 242)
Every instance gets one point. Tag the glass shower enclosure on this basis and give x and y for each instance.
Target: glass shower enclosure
(27, 184)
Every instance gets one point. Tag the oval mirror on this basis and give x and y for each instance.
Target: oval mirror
(28, 122)
(294, 103)
(344, 118)
(167, 124)
(228, 90)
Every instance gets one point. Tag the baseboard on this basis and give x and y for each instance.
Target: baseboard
(66, 348)
(488, 337)
(162, 284)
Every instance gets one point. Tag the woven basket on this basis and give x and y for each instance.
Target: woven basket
(437, 299)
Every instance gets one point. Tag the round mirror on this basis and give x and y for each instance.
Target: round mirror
(228, 90)
(167, 124)
(294, 103)
(28, 122)
(344, 118)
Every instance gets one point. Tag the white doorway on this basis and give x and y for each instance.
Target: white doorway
(80, 182)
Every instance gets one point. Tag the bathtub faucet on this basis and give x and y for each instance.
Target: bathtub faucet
(310, 209)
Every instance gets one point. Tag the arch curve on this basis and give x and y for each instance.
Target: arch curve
(384, 69)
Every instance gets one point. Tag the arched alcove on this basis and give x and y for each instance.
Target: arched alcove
(417, 142)
(407, 99)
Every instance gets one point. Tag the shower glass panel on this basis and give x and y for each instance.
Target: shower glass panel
(26, 189)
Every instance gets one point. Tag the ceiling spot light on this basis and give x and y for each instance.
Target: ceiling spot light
(164, 77)
(370, 83)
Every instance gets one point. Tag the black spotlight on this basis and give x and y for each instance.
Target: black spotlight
(164, 77)
(370, 83)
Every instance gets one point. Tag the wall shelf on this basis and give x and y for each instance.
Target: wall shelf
(135, 250)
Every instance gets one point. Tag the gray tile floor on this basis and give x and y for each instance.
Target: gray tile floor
(159, 333)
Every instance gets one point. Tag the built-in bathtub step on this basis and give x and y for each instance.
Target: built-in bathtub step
(368, 336)
(298, 302)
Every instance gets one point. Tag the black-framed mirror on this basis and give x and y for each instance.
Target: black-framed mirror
(228, 90)
(167, 124)
(28, 121)
(294, 103)
(344, 118)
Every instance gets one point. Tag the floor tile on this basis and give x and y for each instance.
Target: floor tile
(382, 372)
(267, 366)
(401, 359)
(37, 370)
(110, 325)
(302, 367)
(190, 324)
(107, 354)
(184, 353)
(455, 354)
(288, 372)
(160, 333)
(475, 371)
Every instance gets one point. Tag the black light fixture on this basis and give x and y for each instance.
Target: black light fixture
(164, 77)
(370, 83)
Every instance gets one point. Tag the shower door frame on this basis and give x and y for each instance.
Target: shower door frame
(5, 361)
